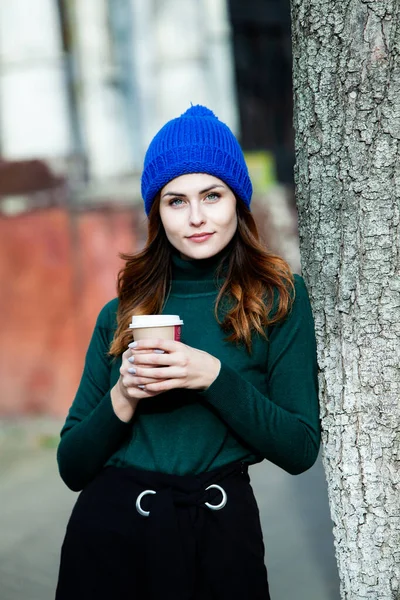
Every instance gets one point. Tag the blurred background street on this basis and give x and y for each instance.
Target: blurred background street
(84, 86)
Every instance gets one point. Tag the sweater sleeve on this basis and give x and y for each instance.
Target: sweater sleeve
(92, 431)
(282, 426)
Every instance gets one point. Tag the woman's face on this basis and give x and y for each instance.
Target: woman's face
(198, 212)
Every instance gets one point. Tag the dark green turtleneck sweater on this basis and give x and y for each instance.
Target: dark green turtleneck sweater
(262, 405)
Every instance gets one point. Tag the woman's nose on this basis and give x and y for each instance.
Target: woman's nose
(196, 217)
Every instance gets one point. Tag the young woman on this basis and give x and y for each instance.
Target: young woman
(161, 433)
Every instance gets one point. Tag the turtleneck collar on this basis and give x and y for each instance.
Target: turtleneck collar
(195, 277)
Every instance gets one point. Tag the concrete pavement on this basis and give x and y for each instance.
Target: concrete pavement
(35, 506)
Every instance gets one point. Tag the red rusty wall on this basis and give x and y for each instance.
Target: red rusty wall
(102, 234)
(56, 271)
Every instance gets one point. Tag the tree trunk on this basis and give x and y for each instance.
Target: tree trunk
(347, 122)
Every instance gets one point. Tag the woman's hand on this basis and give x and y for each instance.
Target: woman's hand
(168, 365)
(125, 395)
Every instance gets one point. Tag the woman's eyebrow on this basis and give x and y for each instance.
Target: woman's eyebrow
(212, 187)
(173, 194)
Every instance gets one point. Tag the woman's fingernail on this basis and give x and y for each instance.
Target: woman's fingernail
(132, 345)
(132, 371)
(141, 387)
(131, 359)
(158, 351)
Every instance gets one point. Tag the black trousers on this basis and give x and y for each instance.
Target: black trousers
(183, 550)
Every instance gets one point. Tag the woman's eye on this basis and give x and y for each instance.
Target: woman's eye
(213, 196)
(176, 202)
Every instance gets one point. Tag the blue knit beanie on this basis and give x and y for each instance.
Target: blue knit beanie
(195, 142)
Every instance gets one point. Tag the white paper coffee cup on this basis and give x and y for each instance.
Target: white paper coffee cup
(166, 327)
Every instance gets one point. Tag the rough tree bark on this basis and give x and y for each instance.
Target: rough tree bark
(347, 122)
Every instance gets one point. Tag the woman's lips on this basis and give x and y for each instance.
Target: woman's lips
(198, 239)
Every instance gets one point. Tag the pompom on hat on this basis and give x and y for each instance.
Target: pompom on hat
(195, 142)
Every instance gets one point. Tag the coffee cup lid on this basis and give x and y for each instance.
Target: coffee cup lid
(142, 321)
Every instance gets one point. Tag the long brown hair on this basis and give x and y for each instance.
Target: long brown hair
(252, 275)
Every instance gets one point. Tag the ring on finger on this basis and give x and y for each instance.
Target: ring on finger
(142, 387)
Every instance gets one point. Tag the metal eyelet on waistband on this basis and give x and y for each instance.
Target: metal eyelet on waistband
(223, 501)
(144, 513)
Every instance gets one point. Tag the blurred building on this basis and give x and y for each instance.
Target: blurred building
(262, 51)
(85, 84)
